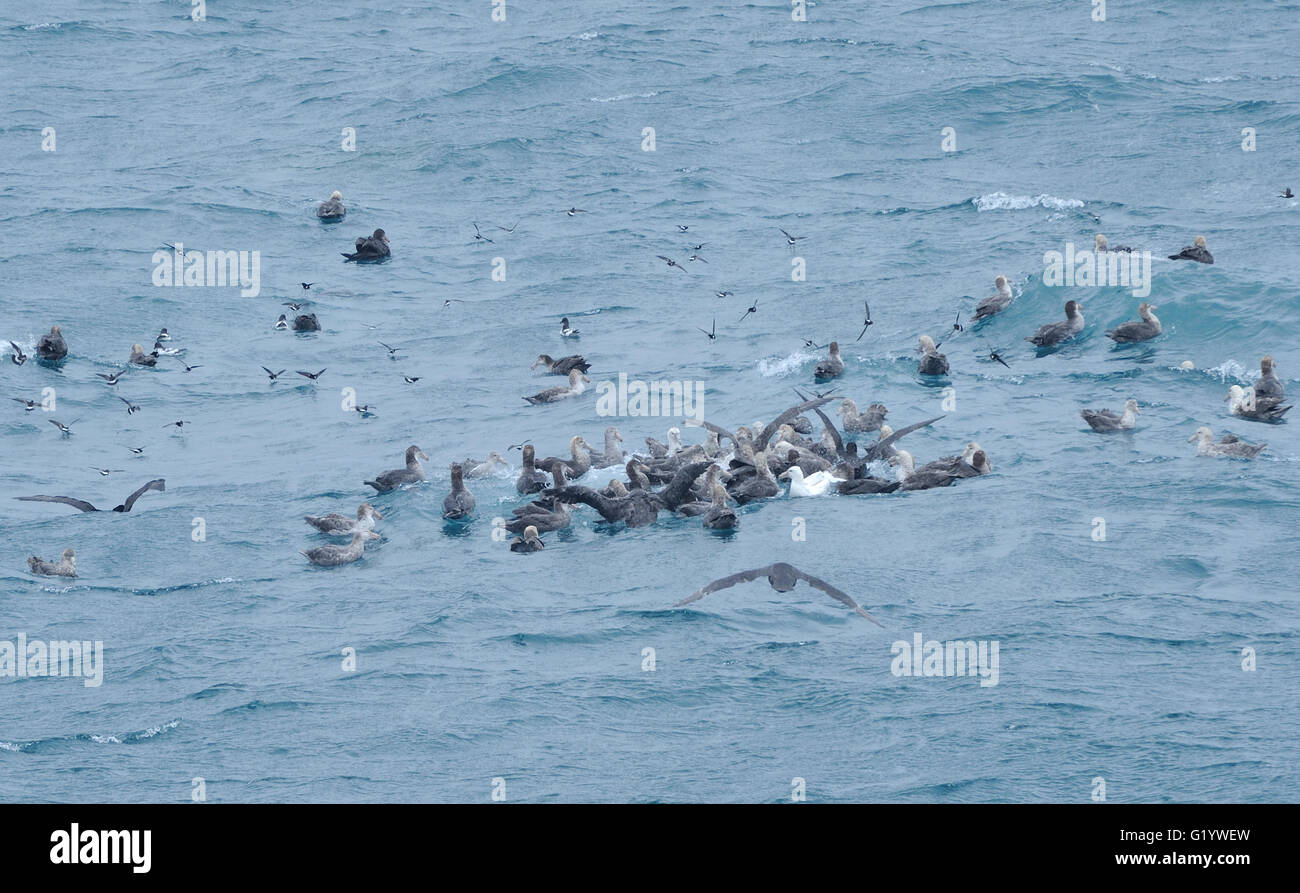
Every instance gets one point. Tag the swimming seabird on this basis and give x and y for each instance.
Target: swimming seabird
(1145, 330)
(282, 323)
(762, 485)
(640, 507)
(529, 541)
(333, 556)
(719, 515)
(562, 366)
(782, 577)
(66, 567)
(1105, 420)
(1268, 385)
(818, 484)
(1101, 246)
(868, 421)
(81, 505)
(912, 478)
(140, 358)
(530, 480)
(51, 346)
(1228, 447)
(306, 322)
(332, 209)
(370, 248)
(17, 357)
(459, 503)
(1054, 333)
(1196, 251)
(1245, 403)
(411, 474)
(341, 525)
(932, 362)
(552, 395)
(997, 302)
(833, 367)
(475, 469)
(568, 331)
(613, 454)
(547, 513)
(575, 467)
(661, 451)
(573, 211)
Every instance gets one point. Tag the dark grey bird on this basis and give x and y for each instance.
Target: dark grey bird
(392, 351)
(996, 303)
(711, 333)
(791, 240)
(105, 472)
(18, 357)
(306, 285)
(410, 379)
(306, 322)
(752, 309)
(510, 230)
(932, 362)
(459, 503)
(66, 429)
(29, 405)
(1053, 333)
(51, 347)
(573, 211)
(1144, 330)
(479, 237)
(528, 541)
(997, 358)
(370, 248)
(671, 262)
(530, 480)
(131, 408)
(333, 209)
(312, 375)
(724, 294)
(282, 323)
(273, 375)
(295, 306)
(1196, 251)
(1268, 385)
(562, 366)
(179, 424)
(413, 472)
(1287, 193)
(189, 369)
(1106, 420)
(159, 484)
(833, 367)
(783, 578)
(866, 323)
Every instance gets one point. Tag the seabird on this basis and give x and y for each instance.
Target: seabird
(640, 507)
(613, 454)
(365, 409)
(370, 248)
(752, 309)
(312, 375)
(1054, 333)
(724, 294)
(1228, 447)
(866, 323)
(789, 239)
(306, 285)
(832, 367)
(295, 306)
(1268, 385)
(562, 366)
(932, 362)
(510, 230)
(392, 351)
(333, 556)
(105, 472)
(713, 332)
(1101, 246)
(140, 358)
(576, 467)
(1247, 404)
(528, 542)
(410, 379)
(552, 395)
(573, 211)
(159, 484)
(997, 358)
(332, 209)
(1107, 420)
(136, 451)
(1196, 251)
(671, 262)
(530, 480)
(476, 469)
(29, 405)
(719, 515)
(760, 486)
(66, 567)
(547, 513)
(912, 478)
(566, 330)
(306, 322)
(131, 408)
(459, 503)
(160, 351)
(818, 484)
(411, 474)
(273, 375)
(997, 302)
(1145, 330)
(479, 237)
(282, 322)
(1287, 193)
(697, 257)
(18, 357)
(782, 577)
(66, 429)
(180, 423)
(871, 420)
(189, 369)
(341, 525)
(51, 346)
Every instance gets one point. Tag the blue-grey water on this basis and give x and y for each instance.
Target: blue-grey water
(1120, 659)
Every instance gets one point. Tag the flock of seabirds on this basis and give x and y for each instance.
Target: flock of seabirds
(731, 468)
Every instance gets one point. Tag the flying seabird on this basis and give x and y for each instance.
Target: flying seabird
(392, 351)
(1145, 330)
(312, 375)
(370, 248)
(410, 379)
(459, 503)
(552, 395)
(66, 567)
(179, 423)
(295, 306)
(932, 362)
(29, 405)
(1196, 251)
(510, 230)
(1228, 447)
(411, 474)
(995, 357)
(306, 322)
(189, 369)
(66, 429)
(105, 472)
(713, 332)
(566, 330)
(1287, 193)
(341, 525)
(1247, 404)
(724, 294)
(866, 323)
(131, 408)
(282, 323)
(479, 237)
(140, 358)
(789, 239)
(1054, 333)
(997, 302)
(573, 211)
(529, 541)
(752, 309)
(18, 357)
(671, 262)
(332, 209)
(306, 285)
(51, 347)
(782, 577)
(81, 505)
(830, 368)
(697, 257)
(1107, 420)
(562, 366)
(273, 375)
(333, 556)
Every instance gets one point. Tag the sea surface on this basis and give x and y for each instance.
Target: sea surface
(479, 671)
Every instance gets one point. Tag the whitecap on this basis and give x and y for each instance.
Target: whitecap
(620, 97)
(770, 367)
(1001, 201)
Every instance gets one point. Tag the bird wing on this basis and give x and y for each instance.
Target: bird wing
(718, 430)
(679, 487)
(159, 484)
(788, 416)
(888, 441)
(724, 583)
(79, 504)
(835, 435)
(836, 594)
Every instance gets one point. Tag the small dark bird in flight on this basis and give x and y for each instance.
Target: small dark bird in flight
(697, 257)
(29, 405)
(997, 358)
(957, 326)
(295, 306)
(682, 228)
(105, 472)
(391, 350)
(306, 285)
(177, 424)
(273, 375)
(866, 323)
(519, 446)
(789, 239)
(724, 294)
(812, 345)
(111, 379)
(365, 409)
(671, 262)
(573, 211)
(753, 309)
(511, 230)
(478, 236)
(18, 356)
(191, 368)
(138, 451)
(713, 334)
(312, 375)
(699, 247)
(447, 303)
(131, 408)
(1287, 193)
(66, 429)
(410, 379)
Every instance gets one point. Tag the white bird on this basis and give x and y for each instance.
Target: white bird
(816, 484)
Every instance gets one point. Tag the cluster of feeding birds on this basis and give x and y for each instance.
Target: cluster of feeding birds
(702, 480)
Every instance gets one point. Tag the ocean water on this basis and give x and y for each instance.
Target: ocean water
(1120, 659)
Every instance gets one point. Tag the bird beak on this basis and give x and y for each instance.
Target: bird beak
(783, 476)
(378, 517)
(424, 455)
(1190, 439)
(1227, 398)
(586, 379)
